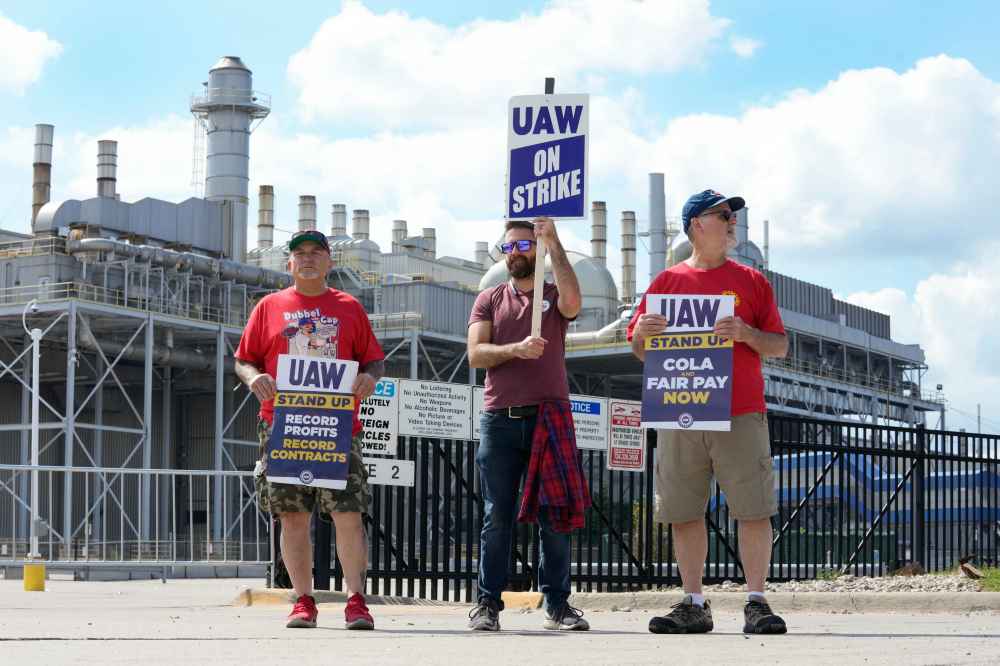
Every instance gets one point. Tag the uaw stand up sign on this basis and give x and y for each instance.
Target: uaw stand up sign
(310, 442)
(686, 377)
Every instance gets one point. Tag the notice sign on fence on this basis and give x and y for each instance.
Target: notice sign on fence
(627, 439)
(310, 440)
(379, 416)
(478, 402)
(687, 371)
(390, 472)
(547, 151)
(590, 420)
(435, 409)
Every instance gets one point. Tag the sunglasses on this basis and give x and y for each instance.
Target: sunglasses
(521, 245)
(726, 215)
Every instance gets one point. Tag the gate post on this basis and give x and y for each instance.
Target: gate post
(919, 527)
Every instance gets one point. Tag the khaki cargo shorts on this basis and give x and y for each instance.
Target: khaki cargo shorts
(287, 498)
(739, 459)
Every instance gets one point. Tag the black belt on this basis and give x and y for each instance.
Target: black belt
(518, 412)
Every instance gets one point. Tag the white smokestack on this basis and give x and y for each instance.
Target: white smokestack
(430, 243)
(483, 254)
(599, 232)
(657, 226)
(628, 257)
(41, 181)
(307, 212)
(359, 222)
(398, 235)
(338, 220)
(107, 168)
(265, 216)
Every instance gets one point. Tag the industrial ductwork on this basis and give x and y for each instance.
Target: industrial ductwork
(223, 269)
(162, 355)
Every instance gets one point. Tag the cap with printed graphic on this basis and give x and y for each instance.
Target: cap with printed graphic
(313, 235)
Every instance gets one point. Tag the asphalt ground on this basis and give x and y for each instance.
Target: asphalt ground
(200, 621)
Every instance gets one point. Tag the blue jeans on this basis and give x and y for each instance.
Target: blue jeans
(504, 451)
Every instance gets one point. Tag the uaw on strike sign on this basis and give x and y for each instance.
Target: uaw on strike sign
(687, 372)
(310, 442)
(547, 152)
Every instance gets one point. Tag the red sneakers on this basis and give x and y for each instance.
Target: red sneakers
(303, 615)
(356, 615)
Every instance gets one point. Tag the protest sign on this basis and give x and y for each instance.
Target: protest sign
(310, 440)
(547, 150)
(687, 371)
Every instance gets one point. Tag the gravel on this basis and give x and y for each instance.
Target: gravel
(849, 583)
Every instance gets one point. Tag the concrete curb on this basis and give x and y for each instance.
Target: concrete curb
(782, 602)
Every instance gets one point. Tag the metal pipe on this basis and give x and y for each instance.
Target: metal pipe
(359, 223)
(657, 226)
(265, 216)
(430, 242)
(307, 212)
(628, 256)
(162, 355)
(599, 232)
(398, 235)
(107, 168)
(338, 226)
(41, 166)
(197, 263)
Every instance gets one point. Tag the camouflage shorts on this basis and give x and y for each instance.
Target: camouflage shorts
(287, 498)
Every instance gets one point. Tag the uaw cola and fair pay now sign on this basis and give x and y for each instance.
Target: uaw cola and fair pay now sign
(547, 150)
(686, 381)
(310, 442)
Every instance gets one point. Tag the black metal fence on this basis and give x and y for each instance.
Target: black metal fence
(853, 498)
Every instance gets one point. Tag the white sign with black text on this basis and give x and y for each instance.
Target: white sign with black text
(435, 409)
(390, 471)
(627, 438)
(590, 420)
(379, 416)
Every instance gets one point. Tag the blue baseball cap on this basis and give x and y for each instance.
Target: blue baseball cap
(702, 201)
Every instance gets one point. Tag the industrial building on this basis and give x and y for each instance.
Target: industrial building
(142, 304)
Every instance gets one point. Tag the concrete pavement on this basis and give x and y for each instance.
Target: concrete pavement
(194, 621)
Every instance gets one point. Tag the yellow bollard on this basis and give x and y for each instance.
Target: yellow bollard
(34, 576)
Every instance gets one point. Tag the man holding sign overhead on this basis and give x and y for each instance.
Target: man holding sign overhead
(309, 326)
(526, 391)
(738, 457)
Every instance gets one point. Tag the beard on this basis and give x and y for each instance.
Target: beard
(520, 266)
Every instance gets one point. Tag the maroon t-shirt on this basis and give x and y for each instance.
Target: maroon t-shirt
(522, 381)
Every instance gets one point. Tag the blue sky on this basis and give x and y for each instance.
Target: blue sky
(855, 127)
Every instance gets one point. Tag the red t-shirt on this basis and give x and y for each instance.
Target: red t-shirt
(755, 305)
(521, 381)
(333, 324)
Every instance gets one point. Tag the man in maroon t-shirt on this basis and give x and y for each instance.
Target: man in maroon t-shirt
(311, 319)
(740, 459)
(522, 371)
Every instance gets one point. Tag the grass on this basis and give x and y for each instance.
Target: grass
(990, 581)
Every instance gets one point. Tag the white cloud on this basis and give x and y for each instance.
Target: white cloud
(953, 315)
(394, 70)
(744, 47)
(874, 159)
(23, 55)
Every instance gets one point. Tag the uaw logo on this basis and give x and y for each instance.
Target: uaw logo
(685, 420)
(306, 477)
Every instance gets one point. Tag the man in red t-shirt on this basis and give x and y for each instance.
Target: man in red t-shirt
(740, 460)
(310, 318)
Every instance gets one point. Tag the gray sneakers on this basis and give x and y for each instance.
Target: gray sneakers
(565, 618)
(684, 618)
(485, 616)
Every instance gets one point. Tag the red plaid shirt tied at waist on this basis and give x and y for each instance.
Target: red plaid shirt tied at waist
(555, 481)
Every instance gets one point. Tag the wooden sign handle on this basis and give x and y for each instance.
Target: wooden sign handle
(537, 296)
